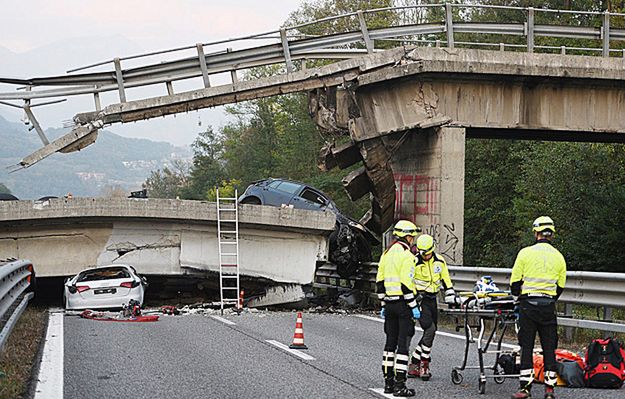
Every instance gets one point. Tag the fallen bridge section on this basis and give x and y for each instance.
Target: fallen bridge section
(162, 237)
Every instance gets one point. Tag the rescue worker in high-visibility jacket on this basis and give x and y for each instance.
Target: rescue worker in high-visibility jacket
(395, 288)
(431, 275)
(538, 279)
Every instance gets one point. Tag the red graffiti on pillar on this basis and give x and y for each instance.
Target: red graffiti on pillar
(416, 195)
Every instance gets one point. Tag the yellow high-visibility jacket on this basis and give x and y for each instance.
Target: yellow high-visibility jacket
(396, 268)
(541, 268)
(431, 275)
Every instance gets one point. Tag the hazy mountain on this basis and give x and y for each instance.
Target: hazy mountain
(111, 161)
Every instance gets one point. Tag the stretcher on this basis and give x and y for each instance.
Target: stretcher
(471, 314)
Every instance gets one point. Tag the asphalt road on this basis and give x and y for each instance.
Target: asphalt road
(198, 356)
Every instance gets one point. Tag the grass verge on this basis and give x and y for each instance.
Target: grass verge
(20, 352)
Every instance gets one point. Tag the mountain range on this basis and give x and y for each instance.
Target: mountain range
(112, 161)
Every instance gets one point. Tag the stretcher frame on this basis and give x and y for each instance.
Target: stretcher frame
(502, 320)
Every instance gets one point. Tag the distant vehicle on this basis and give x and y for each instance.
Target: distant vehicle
(351, 241)
(104, 287)
(8, 197)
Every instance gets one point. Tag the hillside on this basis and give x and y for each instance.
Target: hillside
(111, 161)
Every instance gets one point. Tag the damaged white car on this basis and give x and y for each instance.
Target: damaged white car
(104, 287)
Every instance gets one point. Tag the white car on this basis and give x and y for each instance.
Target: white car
(111, 286)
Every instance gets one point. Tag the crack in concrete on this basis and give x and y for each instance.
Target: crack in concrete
(123, 248)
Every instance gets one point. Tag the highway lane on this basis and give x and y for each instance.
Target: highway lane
(198, 356)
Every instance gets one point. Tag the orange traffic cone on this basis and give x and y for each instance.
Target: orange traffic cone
(298, 337)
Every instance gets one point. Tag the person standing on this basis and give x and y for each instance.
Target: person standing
(431, 275)
(396, 290)
(538, 279)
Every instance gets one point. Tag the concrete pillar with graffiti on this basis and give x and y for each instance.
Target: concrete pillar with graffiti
(429, 176)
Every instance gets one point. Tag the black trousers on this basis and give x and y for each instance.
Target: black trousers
(398, 327)
(428, 320)
(538, 316)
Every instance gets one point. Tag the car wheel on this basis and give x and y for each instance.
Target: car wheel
(251, 201)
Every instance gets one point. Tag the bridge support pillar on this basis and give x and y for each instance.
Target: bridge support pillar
(428, 168)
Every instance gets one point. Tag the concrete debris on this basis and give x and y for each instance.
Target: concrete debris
(278, 295)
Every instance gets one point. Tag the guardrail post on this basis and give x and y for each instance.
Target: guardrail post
(605, 33)
(202, 59)
(568, 312)
(120, 79)
(365, 32)
(96, 99)
(233, 72)
(530, 30)
(563, 50)
(449, 25)
(502, 47)
(607, 316)
(170, 88)
(286, 51)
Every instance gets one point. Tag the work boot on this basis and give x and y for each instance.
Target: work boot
(523, 393)
(402, 390)
(389, 385)
(424, 370)
(414, 370)
(549, 393)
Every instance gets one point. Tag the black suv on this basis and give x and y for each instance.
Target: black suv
(351, 241)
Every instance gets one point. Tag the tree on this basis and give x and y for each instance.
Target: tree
(208, 166)
(170, 182)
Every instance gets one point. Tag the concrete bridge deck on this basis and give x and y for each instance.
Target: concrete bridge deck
(160, 236)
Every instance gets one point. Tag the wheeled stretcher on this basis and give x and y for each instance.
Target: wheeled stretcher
(471, 315)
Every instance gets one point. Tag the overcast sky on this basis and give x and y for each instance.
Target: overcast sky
(50, 37)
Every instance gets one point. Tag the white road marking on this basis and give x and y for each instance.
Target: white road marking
(293, 351)
(380, 391)
(50, 381)
(446, 334)
(225, 321)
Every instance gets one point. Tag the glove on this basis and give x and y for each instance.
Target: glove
(416, 313)
(382, 314)
(450, 296)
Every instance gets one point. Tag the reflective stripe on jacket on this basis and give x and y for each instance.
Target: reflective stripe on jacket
(431, 274)
(541, 268)
(396, 268)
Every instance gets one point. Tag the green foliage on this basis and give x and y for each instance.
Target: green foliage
(208, 166)
(4, 189)
(226, 190)
(168, 182)
(580, 185)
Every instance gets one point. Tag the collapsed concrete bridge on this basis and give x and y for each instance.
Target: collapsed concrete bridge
(404, 113)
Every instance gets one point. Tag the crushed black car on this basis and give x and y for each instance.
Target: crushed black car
(350, 242)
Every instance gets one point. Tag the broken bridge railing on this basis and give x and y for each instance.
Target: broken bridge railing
(16, 277)
(603, 291)
(329, 39)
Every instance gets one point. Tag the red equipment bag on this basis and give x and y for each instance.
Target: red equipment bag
(605, 364)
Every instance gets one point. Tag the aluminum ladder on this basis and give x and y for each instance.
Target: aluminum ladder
(228, 242)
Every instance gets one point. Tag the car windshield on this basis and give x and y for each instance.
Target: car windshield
(289, 187)
(108, 273)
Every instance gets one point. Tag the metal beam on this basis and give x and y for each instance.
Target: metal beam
(36, 124)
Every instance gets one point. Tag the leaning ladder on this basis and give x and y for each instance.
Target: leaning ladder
(228, 239)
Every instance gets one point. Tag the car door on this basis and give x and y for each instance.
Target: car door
(310, 198)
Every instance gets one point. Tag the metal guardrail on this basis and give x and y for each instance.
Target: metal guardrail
(605, 290)
(427, 24)
(15, 279)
